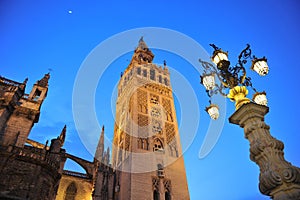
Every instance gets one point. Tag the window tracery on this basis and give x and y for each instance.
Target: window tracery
(167, 106)
(142, 100)
(154, 99)
(158, 145)
(170, 132)
(71, 191)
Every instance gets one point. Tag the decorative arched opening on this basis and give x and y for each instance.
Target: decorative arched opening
(155, 195)
(167, 195)
(36, 95)
(158, 145)
(71, 192)
(143, 143)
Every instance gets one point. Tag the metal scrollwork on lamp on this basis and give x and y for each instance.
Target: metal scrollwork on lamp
(233, 78)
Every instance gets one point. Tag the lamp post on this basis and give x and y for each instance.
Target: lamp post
(278, 178)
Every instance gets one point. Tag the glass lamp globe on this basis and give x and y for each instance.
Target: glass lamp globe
(260, 98)
(260, 66)
(213, 111)
(218, 56)
(208, 80)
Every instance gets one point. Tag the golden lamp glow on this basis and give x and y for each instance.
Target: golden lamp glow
(260, 98)
(208, 80)
(260, 66)
(219, 56)
(213, 111)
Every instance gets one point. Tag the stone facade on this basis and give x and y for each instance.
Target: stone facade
(146, 147)
(74, 185)
(26, 171)
(147, 161)
(278, 178)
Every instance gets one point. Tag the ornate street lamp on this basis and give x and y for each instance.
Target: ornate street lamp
(260, 66)
(213, 111)
(278, 178)
(260, 98)
(234, 78)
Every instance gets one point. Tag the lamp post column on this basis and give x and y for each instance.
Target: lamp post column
(278, 178)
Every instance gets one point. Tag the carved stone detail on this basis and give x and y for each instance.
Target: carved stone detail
(278, 178)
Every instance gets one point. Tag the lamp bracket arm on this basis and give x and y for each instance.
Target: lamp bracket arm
(248, 83)
(221, 88)
(221, 80)
(214, 47)
(208, 67)
(245, 55)
(243, 75)
(218, 89)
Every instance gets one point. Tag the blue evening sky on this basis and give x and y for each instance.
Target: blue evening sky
(36, 36)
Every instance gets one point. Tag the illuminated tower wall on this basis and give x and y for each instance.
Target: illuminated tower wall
(147, 151)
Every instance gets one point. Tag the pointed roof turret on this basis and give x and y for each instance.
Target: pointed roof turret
(101, 142)
(25, 81)
(62, 135)
(100, 146)
(142, 44)
(142, 55)
(108, 155)
(57, 143)
(23, 85)
(44, 81)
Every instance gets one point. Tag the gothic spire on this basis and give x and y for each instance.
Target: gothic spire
(100, 146)
(142, 44)
(142, 54)
(108, 155)
(44, 81)
(23, 85)
(62, 135)
(57, 143)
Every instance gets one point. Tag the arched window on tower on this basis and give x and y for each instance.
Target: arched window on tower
(160, 79)
(155, 195)
(143, 143)
(145, 72)
(157, 145)
(166, 81)
(167, 186)
(167, 195)
(140, 143)
(138, 70)
(71, 192)
(36, 95)
(152, 74)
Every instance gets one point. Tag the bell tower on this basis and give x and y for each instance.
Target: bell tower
(24, 110)
(146, 146)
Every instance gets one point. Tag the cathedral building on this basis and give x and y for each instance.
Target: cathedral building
(146, 161)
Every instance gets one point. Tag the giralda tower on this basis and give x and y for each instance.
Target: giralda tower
(146, 146)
